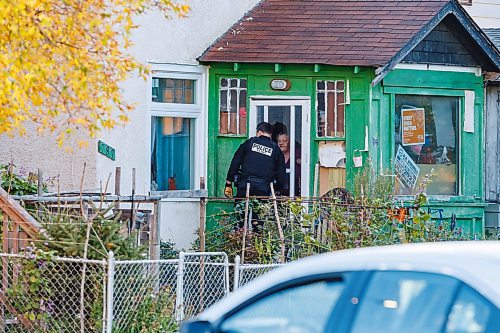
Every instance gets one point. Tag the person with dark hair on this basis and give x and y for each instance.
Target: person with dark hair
(278, 128)
(258, 162)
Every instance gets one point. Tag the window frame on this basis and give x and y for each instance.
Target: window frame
(166, 109)
(363, 285)
(247, 101)
(195, 112)
(347, 102)
(392, 92)
(353, 281)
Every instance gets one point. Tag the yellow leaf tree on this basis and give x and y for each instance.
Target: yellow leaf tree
(62, 61)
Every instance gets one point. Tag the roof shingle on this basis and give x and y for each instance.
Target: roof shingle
(333, 32)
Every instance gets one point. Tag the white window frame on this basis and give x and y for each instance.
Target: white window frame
(346, 102)
(196, 111)
(228, 90)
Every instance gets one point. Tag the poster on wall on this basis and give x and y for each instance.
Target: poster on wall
(406, 170)
(413, 126)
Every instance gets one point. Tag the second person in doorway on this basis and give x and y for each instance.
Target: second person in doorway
(284, 145)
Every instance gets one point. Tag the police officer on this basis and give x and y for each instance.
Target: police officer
(258, 161)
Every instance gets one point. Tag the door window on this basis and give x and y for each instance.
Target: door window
(287, 133)
(405, 302)
(299, 309)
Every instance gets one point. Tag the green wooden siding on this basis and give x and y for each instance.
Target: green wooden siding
(372, 107)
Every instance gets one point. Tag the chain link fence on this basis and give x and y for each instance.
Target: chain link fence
(45, 294)
(244, 273)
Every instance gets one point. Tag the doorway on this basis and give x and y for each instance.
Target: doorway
(291, 130)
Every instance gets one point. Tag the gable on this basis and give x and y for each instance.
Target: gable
(443, 46)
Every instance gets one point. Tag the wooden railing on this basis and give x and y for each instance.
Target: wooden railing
(18, 226)
(18, 229)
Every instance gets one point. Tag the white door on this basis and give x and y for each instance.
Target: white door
(289, 117)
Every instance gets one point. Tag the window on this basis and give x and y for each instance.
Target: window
(405, 302)
(470, 312)
(330, 108)
(177, 152)
(233, 106)
(426, 144)
(171, 153)
(166, 90)
(290, 310)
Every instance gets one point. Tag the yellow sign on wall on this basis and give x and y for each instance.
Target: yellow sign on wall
(413, 126)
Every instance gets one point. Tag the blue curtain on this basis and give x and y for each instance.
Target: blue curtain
(171, 153)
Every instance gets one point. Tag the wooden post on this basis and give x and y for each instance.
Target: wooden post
(202, 216)
(40, 182)
(5, 269)
(316, 180)
(118, 177)
(132, 209)
(202, 245)
(39, 190)
(153, 233)
(245, 224)
(280, 230)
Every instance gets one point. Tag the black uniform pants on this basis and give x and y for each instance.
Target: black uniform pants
(257, 189)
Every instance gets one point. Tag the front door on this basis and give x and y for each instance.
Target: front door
(291, 130)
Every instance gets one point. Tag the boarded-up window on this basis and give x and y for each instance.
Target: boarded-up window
(233, 106)
(330, 109)
(179, 91)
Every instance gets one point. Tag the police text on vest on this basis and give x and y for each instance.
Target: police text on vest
(262, 149)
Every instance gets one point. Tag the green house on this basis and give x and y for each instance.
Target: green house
(397, 84)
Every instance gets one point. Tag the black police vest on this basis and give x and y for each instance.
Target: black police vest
(259, 162)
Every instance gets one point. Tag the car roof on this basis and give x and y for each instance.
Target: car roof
(477, 263)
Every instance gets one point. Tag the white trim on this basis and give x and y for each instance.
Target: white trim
(180, 200)
(177, 68)
(178, 107)
(197, 111)
(440, 68)
(267, 98)
(291, 101)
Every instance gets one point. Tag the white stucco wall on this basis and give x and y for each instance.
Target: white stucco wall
(178, 41)
(32, 151)
(175, 41)
(486, 13)
(180, 220)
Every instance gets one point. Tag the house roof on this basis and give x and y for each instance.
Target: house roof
(333, 32)
(494, 35)
(339, 32)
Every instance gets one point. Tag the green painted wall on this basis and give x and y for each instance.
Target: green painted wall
(303, 79)
(371, 107)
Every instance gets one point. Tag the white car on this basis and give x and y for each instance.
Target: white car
(424, 288)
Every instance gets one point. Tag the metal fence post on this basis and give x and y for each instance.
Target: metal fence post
(110, 294)
(236, 281)
(179, 300)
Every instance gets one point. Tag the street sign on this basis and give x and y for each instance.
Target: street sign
(106, 150)
(413, 126)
